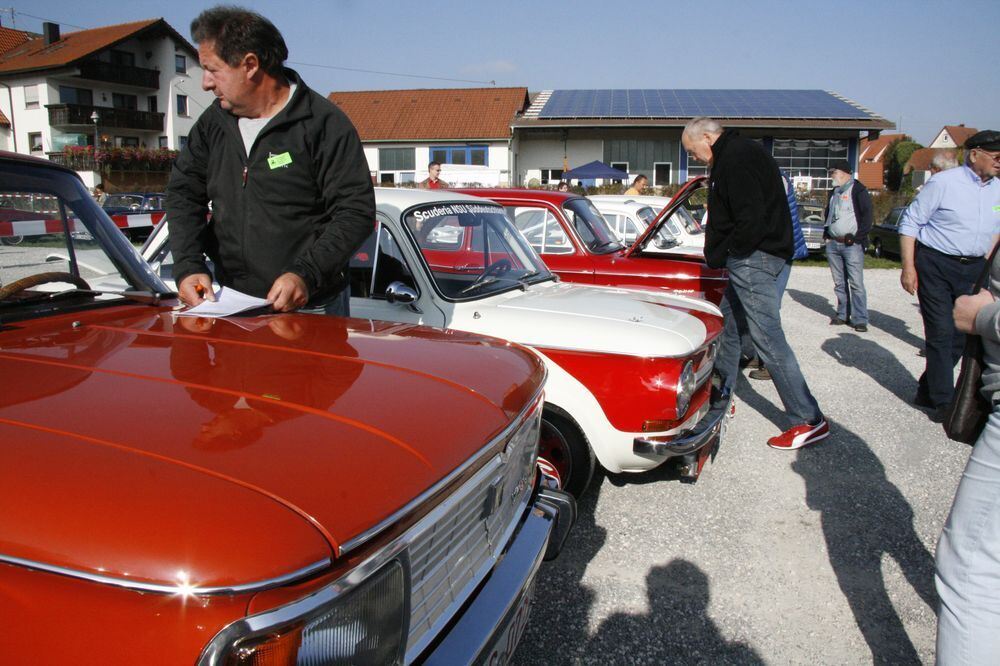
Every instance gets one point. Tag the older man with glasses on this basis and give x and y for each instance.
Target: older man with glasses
(945, 235)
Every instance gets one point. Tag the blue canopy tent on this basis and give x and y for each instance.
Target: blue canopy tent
(595, 169)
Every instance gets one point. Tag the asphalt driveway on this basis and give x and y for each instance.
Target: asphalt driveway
(820, 556)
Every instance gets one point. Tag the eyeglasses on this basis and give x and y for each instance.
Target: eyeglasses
(993, 155)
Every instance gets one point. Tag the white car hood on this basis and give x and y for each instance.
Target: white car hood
(636, 322)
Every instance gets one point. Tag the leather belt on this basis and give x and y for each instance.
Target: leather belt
(960, 258)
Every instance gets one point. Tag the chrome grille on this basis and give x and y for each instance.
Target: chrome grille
(459, 547)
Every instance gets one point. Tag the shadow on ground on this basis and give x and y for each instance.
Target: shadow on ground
(894, 326)
(676, 630)
(864, 517)
(856, 351)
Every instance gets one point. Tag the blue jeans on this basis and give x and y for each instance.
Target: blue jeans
(753, 287)
(847, 265)
(745, 341)
(968, 568)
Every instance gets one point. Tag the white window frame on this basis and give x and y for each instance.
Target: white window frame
(670, 174)
(31, 100)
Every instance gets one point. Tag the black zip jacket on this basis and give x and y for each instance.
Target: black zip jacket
(300, 202)
(861, 199)
(747, 204)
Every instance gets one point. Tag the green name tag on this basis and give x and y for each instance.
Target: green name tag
(281, 160)
(996, 209)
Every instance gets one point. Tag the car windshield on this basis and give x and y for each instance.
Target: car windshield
(646, 214)
(123, 201)
(686, 219)
(591, 226)
(472, 249)
(58, 249)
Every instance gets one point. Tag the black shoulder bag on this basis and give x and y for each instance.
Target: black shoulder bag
(968, 411)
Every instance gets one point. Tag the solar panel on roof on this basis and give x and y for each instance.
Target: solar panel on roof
(681, 103)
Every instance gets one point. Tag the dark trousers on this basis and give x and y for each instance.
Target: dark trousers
(940, 280)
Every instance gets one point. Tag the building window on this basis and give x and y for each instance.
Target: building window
(35, 141)
(152, 104)
(81, 96)
(476, 155)
(31, 97)
(123, 58)
(180, 64)
(182, 142)
(127, 141)
(386, 178)
(551, 176)
(163, 142)
(696, 168)
(396, 159)
(807, 160)
(121, 101)
(621, 166)
(662, 173)
(182, 105)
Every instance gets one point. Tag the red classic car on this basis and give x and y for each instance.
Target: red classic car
(577, 244)
(256, 490)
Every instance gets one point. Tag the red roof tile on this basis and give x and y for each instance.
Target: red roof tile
(74, 46)
(428, 114)
(874, 150)
(959, 133)
(9, 38)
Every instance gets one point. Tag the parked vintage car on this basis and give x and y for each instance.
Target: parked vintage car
(123, 205)
(628, 370)
(629, 219)
(883, 239)
(683, 224)
(812, 223)
(579, 246)
(256, 490)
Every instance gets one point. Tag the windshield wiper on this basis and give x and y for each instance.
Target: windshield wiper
(145, 297)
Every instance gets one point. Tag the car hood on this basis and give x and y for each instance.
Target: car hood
(613, 320)
(145, 448)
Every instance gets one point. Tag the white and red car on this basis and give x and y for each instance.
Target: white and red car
(629, 370)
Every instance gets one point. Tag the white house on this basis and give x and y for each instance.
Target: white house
(141, 79)
(467, 130)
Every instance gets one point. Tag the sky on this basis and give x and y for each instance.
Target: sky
(919, 64)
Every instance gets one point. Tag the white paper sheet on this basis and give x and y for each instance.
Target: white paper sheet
(227, 302)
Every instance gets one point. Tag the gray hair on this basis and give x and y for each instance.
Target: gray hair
(944, 159)
(701, 125)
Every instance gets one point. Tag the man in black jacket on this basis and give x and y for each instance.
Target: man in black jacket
(284, 170)
(848, 221)
(750, 234)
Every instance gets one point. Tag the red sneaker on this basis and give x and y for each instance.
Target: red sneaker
(799, 436)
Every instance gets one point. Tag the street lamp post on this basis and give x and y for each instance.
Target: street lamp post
(94, 118)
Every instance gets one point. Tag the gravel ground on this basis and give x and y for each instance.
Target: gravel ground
(820, 556)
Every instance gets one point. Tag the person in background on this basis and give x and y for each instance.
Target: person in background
(563, 186)
(751, 236)
(968, 570)
(433, 180)
(944, 236)
(291, 191)
(638, 185)
(849, 217)
(757, 368)
(99, 194)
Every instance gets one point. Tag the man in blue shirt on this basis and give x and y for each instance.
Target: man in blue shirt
(945, 235)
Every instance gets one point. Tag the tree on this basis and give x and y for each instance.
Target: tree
(898, 155)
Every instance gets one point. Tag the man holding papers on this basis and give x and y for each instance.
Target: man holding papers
(291, 194)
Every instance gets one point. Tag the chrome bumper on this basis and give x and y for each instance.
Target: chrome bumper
(473, 637)
(706, 431)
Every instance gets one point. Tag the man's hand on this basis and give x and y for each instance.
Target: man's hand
(908, 278)
(289, 292)
(195, 288)
(967, 307)
(849, 240)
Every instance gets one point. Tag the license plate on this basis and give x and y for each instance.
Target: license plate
(507, 639)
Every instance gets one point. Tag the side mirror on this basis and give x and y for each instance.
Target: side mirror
(398, 292)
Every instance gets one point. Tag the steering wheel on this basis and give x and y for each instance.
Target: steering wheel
(18, 286)
(497, 269)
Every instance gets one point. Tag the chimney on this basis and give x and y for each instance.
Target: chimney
(51, 32)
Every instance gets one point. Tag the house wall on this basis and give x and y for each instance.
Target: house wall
(495, 173)
(545, 152)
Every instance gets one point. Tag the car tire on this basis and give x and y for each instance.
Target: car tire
(877, 249)
(562, 444)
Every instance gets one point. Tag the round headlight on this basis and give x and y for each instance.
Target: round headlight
(685, 389)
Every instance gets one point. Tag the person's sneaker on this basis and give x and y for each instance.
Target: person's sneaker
(732, 408)
(861, 328)
(761, 374)
(837, 321)
(799, 436)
